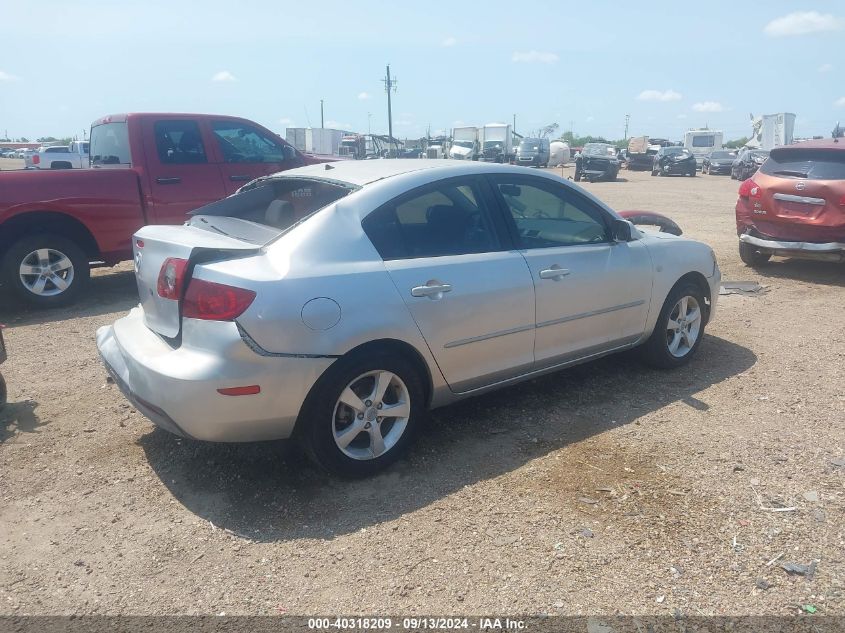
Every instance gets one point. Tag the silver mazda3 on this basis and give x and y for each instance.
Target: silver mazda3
(337, 302)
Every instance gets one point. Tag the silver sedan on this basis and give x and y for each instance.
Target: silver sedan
(337, 302)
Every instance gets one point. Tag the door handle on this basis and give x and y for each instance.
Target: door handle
(239, 178)
(432, 290)
(555, 272)
(168, 181)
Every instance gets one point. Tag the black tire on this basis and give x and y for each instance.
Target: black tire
(315, 427)
(692, 173)
(654, 171)
(655, 351)
(3, 392)
(751, 256)
(577, 175)
(79, 274)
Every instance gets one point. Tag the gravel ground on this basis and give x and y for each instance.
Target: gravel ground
(609, 488)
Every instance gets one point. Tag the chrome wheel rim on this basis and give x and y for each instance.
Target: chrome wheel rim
(46, 272)
(683, 327)
(371, 415)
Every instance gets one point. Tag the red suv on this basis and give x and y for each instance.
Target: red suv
(794, 205)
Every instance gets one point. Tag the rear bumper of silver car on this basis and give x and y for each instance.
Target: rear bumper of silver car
(177, 387)
(829, 251)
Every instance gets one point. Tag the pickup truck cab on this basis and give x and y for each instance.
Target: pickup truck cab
(73, 156)
(145, 169)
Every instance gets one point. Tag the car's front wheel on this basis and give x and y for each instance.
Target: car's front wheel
(679, 328)
(362, 414)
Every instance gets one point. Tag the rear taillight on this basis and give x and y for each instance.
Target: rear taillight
(749, 189)
(36, 159)
(842, 201)
(171, 278)
(215, 302)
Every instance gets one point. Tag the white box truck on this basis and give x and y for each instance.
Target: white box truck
(316, 140)
(701, 142)
(465, 144)
(497, 144)
(776, 130)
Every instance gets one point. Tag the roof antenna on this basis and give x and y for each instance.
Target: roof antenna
(328, 167)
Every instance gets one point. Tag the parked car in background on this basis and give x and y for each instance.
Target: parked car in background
(596, 161)
(73, 156)
(719, 162)
(677, 161)
(747, 162)
(794, 205)
(702, 142)
(533, 152)
(251, 328)
(7, 153)
(145, 168)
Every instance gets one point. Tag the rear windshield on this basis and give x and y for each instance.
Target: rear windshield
(57, 150)
(723, 155)
(703, 141)
(276, 203)
(807, 164)
(110, 144)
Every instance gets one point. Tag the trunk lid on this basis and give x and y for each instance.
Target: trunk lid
(154, 245)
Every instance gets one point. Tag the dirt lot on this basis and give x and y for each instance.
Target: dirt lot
(609, 488)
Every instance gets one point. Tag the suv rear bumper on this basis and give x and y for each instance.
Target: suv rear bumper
(176, 387)
(833, 251)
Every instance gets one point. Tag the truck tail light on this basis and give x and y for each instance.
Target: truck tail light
(36, 159)
(749, 189)
(171, 278)
(215, 302)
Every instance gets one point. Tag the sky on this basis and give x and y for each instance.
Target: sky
(584, 65)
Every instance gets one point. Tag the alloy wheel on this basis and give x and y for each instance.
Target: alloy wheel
(46, 272)
(371, 415)
(683, 327)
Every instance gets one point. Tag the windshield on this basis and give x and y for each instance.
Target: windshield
(675, 151)
(597, 149)
(723, 155)
(467, 144)
(488, 144)
(806, 164)
(529, 144)
(706, 140)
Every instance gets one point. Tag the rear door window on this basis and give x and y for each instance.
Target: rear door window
(448, 218)
(179, 142)
(110, 144)
(806, 164)
(242, 143)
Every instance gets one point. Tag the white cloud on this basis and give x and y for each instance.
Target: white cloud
(708, 106)
(803, 23)
(286, 121)
(590, 118)
(449, 42)
(825, 68)
(338, 125)
(4, 76)
(682, 116)
(840, 103)
(363, 96)
(531, 57)
(657, 95)
(223, 75)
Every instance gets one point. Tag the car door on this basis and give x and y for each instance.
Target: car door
(469, 293)
(245, 152)
(592, 293)
(181, 177)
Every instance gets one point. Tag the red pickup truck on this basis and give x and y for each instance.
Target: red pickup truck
(145, 169)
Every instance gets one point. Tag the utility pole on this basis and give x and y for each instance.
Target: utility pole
(388, 85)
(322, 125)
(369, 123)
(627, 118)
(514, 123)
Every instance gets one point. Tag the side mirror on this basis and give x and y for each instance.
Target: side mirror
(621, 230)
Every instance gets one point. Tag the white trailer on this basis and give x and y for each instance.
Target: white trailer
(701, 142)
(772, 130)
(465, 144)
(559, 153)
(316, 140)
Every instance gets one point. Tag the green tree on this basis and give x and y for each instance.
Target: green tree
(737, 143)
(46, 139)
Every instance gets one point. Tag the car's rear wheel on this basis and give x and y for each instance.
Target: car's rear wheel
(45, 270)
(362, 414)
(679, 328)
(751, 255)
(3, 393)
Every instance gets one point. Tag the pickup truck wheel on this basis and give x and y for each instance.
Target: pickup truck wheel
(45, 270)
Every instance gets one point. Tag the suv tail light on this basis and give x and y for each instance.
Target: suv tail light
(36, 159)
(749, 189)
(215, 302)
(171, 278)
